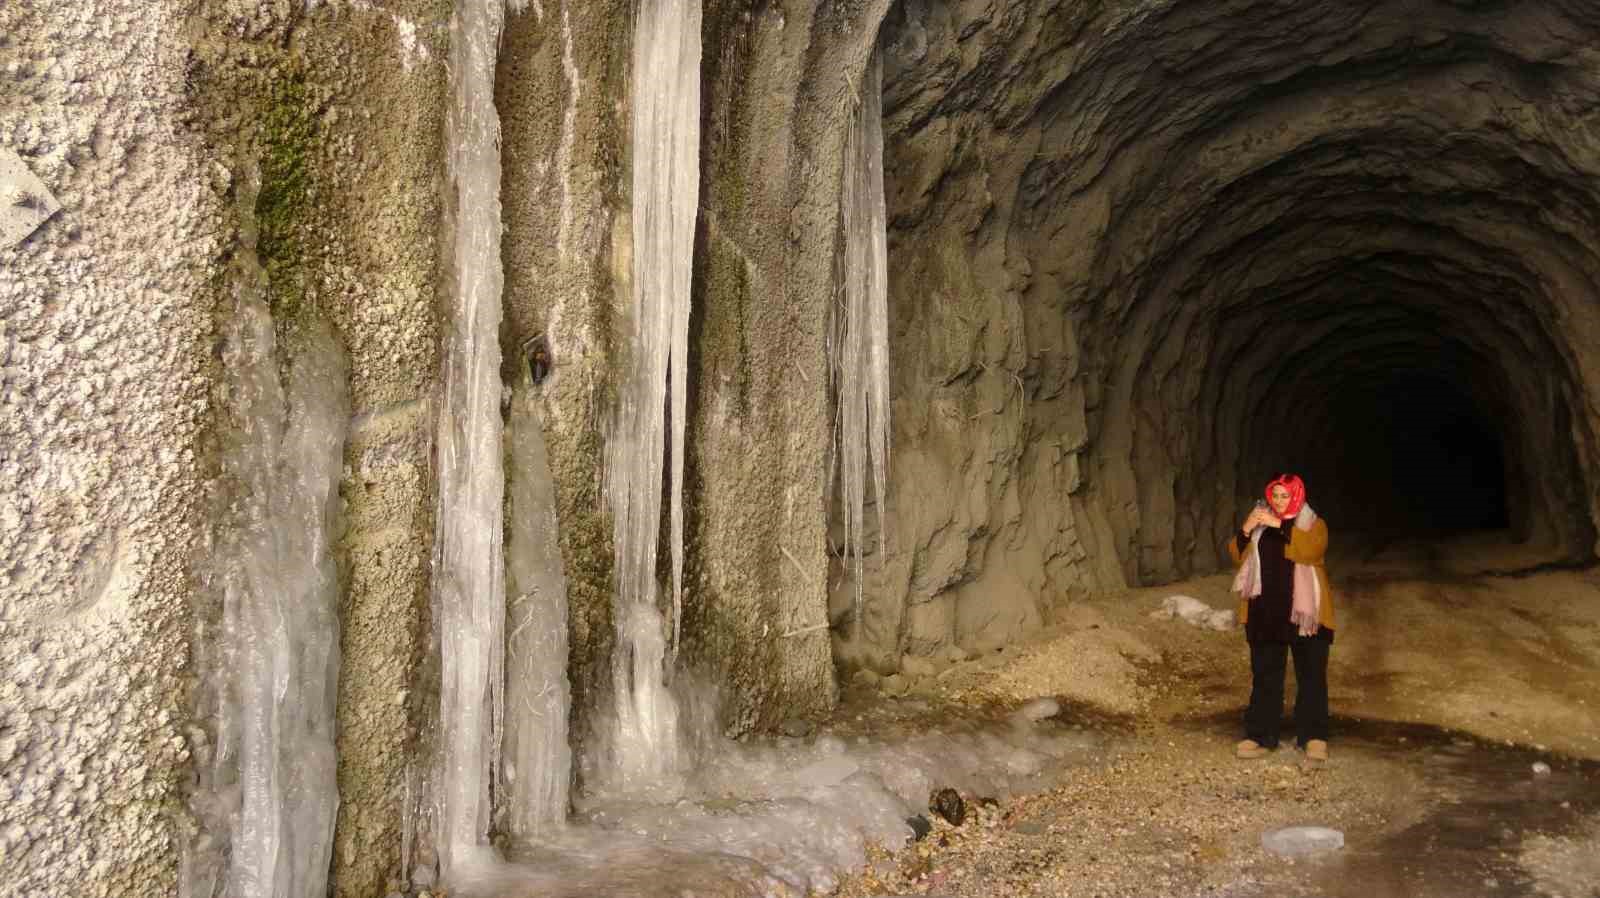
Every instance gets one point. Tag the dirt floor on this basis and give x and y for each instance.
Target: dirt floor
(1465, 752)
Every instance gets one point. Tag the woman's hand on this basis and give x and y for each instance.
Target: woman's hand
(1260, 517)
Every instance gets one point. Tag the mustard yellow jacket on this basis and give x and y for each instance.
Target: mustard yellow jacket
(1305, 547)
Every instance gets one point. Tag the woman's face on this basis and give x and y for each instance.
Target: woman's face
(1280, 500)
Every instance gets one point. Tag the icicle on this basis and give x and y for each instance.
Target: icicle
(468, 574)
(537, 758)
(666, 182)
(861, 327)
(268, 798)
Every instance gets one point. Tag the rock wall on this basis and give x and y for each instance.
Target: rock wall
(778, 86)
(183, 140)
(104, 352)
(328, 118)
(565, 129)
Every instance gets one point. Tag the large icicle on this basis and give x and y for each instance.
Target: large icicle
(468, 570)
(268, 797)
(537, 758)
(666, 182)
(861, 328)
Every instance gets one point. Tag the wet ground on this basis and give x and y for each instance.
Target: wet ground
(1478, 803)
(1466, 751)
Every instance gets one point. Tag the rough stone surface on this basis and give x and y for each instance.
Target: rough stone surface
(104, 351)
(776, 97)
(177, 136)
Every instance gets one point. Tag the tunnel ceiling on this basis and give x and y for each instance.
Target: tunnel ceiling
(1238, 227)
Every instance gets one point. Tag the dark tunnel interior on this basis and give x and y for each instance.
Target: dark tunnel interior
(1351, 242)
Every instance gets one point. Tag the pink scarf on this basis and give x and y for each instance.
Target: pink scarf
(1307, 589)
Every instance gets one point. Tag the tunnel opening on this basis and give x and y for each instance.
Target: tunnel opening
(1142, 263)
(1396, 454)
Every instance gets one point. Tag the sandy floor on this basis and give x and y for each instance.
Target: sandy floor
(1448, 688)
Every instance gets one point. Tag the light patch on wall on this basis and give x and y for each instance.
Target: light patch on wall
(25, 202)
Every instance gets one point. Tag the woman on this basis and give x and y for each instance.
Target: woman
(1286, 607)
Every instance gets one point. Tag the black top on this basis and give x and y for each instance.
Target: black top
(1268, 620)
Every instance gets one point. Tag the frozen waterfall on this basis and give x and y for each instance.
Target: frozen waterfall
(468, 568)
(861, 326)
(267, 799)
(666, 182)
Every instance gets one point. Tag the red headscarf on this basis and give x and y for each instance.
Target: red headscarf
(1297, 494)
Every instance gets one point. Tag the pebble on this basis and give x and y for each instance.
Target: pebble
(947, 803)
(1540, 768)
(896, 684)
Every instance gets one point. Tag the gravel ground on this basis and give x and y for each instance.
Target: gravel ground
(1483, 673)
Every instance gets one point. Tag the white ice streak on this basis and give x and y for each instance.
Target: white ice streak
(269, 792)
(468, 571)
(861, 328)
(666, 178)
(537, 757)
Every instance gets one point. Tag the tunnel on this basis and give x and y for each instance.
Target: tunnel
(1145, 257)
(1142, 256)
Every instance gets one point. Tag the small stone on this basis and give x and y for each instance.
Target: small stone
(1540, 768)
(1038, 709)
(896, 684)
(920, 827)
(917, 666)
(947, 803)
(795, 728)
(867, 679)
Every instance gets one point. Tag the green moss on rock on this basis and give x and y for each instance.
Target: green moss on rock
(288, 137)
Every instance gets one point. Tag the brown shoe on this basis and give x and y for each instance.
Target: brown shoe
(1317, 750)
(1249, 749)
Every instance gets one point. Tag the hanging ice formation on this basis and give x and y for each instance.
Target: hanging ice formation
(538, 760)
(861, 325)
(468, 568)
(268, 796)
(666, 183)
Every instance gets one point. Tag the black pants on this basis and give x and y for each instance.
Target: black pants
(1265, 714)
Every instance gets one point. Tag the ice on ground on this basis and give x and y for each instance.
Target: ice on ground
(782, 815)
(1191, 610)
(1298, 841)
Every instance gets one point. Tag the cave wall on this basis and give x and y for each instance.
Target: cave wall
(560, 89)
(1136, 247)
(778, 82)
(103, 358)
(195, 149)
(301, 144)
